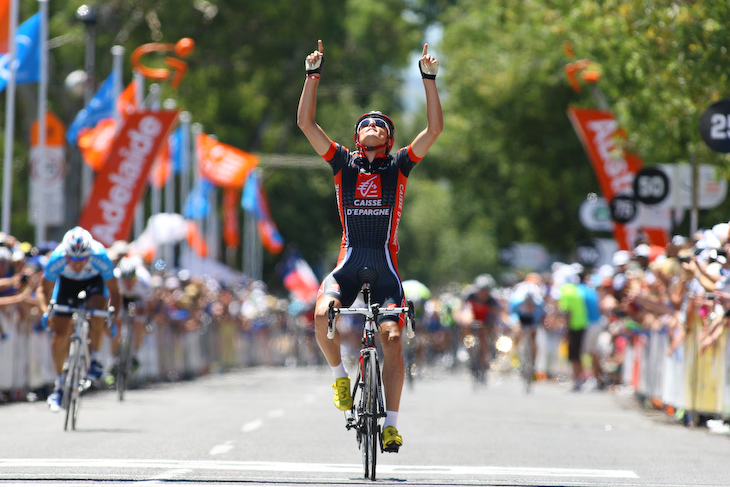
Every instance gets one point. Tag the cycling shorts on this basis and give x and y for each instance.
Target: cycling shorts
(66, 291)
(527, 320)
(344, 283)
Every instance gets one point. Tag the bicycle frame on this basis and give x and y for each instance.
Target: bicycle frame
(79, 357)
(364, 416)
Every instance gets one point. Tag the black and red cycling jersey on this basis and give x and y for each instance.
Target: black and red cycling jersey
(485, 310)
(370, 204)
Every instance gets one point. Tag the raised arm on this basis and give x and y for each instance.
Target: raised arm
(308, 103)
(434, 116)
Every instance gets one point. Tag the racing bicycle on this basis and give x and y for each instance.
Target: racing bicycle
(124, 368)
(527, 365)
(478, 344)
(368, 405)
(79, 356)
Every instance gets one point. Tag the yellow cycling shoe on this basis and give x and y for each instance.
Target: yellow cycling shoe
(343, 398)
(392, 441)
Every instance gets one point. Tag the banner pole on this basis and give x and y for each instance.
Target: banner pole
(10, 118)
(40, 217)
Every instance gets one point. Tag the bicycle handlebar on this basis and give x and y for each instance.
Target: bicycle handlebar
(372, 312)
(100, 313)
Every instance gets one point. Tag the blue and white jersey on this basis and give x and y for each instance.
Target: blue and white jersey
(98, 264)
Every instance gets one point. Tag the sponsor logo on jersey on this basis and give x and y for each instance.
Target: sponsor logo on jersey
(367, 211)
(368, 186)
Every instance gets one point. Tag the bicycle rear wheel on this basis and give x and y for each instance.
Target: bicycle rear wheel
(371, 433)
(123, 365)
(71, 386)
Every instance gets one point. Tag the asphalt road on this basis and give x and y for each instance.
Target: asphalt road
(277, 426)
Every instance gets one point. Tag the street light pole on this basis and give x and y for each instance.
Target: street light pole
(87, 15)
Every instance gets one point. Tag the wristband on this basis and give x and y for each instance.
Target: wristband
(316, 67)
(429, 74)
(313, 76)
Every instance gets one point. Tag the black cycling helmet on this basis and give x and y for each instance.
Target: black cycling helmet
(391, 131)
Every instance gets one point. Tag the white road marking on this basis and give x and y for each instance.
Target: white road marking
(169, 475)
(252, 425)
(223, 448)
(276, 413)
(191, 465)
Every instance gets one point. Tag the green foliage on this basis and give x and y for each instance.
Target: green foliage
(508, 166)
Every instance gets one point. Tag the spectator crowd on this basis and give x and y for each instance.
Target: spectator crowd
(199, 324)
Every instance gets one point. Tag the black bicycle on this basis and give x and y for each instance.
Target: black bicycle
(124, 367)
(79, 357)
(478, 343)
(368, 405)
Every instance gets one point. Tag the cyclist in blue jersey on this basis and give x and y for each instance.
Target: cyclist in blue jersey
(369, 187)
(79, 263)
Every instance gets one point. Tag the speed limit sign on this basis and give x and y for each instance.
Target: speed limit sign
(651, 186)
(623, 208)
(715, 126)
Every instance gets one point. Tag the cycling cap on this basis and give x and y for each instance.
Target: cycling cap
(484, 281)
(391, 132)
(77, 242)
(127, 269)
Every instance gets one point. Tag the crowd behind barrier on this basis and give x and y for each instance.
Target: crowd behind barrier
(663, 326)
(196, 324)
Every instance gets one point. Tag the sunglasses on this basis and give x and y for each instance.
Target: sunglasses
(77, 259)
(379, 122)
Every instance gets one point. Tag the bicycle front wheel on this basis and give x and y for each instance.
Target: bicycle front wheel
(371, 433)
(123, 365)
(526, 363)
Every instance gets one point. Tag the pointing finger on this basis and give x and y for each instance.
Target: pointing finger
(320, 46)
(425, 49)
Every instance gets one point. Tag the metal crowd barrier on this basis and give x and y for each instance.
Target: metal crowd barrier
(680, 380)
(169, 352)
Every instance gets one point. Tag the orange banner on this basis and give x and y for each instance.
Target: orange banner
(162, 168)
(231, 230)
(615, 169)
(4, 26)
(222, 164)
(95, 143)
(109, 212)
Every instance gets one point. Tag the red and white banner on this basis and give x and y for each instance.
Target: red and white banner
(615, 170)
(222, 164)
(109, 212)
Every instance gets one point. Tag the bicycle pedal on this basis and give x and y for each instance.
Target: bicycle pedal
(392, 449)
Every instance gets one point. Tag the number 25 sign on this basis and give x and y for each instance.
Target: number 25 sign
(715, 126)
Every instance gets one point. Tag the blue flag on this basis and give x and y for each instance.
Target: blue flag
(196, 205)
(28, 54)
(253, 200)
(102, 105)
(174, 141)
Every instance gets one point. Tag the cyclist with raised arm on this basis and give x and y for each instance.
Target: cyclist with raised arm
(134, 285)
(79, 263)
(370, 185)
